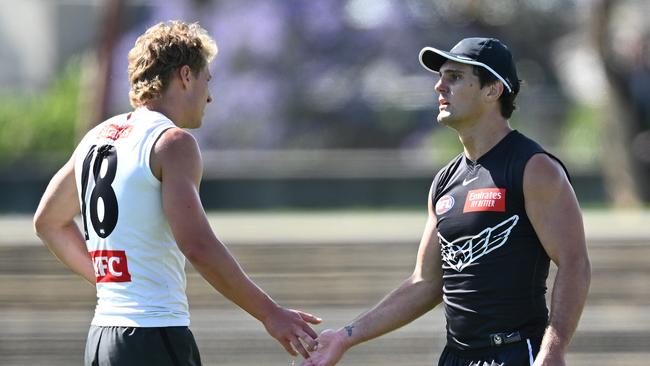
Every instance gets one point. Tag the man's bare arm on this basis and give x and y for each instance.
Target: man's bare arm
(54, 223)
(177, 162)
(418, 294)
(553, 210)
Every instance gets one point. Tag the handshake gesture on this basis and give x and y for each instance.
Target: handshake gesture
(331, 346)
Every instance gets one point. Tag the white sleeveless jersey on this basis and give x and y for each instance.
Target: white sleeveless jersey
(139, 268)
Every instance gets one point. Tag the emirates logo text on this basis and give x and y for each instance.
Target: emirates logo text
(486, 199)
(114, 132)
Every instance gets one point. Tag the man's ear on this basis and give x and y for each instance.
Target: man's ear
(185, 73)
(494, 91)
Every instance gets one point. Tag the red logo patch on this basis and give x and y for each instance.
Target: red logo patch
(486, 199)
(110, 266)
(115, 132)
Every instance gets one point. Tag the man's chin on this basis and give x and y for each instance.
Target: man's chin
(443, 119)
(196, 124)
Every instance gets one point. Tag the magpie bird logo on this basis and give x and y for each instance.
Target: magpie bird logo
(463, 251)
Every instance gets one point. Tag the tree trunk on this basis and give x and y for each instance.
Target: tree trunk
(626, 177)
(97, 68)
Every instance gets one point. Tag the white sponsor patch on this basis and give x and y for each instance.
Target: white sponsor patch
(444, 204)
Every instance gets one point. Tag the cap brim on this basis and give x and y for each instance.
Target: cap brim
(433, 58)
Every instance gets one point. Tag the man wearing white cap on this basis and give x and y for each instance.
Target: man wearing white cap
(498, 213)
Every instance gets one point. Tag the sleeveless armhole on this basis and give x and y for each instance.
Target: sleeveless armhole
(553, 157)
(443, 176)
(566, 171)
(148, 148)
(433, 190)
(431, 199)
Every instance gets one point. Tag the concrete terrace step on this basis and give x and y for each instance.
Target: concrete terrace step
(349, 226)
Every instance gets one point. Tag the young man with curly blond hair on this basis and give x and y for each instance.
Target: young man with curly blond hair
(135, 180)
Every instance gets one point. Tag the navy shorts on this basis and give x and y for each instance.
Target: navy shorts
(521, 353)
(130, 346)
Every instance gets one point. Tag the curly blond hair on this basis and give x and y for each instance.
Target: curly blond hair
(162, 49)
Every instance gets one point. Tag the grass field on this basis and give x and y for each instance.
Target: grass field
(334, 264)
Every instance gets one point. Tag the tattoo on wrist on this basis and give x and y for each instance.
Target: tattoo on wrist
(348, 328)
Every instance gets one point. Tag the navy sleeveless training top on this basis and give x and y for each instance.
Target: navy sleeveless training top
(494, 266)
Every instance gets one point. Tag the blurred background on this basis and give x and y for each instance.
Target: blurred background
(323, 122)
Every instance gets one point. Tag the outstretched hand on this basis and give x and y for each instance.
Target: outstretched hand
(290, 328)
(331, 346)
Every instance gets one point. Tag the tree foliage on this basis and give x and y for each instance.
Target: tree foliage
(40, 125)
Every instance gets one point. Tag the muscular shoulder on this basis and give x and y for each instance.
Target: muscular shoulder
(175, 150)
(175, 140)
(544, 177)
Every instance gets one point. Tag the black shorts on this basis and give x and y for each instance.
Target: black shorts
(515, 354)
(129, 346)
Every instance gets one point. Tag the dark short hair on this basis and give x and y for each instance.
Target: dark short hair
(507, 99)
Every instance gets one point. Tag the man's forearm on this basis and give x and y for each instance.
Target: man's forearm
(67, 244)
(403, 305)
(568, 299)
(217, 266)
